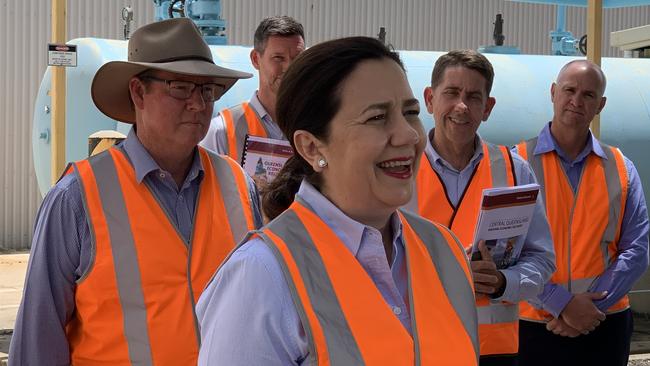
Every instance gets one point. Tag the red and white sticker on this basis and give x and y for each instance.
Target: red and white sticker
(62, 55)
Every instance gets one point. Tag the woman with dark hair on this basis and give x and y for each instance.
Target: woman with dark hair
(340, 276)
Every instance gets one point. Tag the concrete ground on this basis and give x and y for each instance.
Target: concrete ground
(12, 276)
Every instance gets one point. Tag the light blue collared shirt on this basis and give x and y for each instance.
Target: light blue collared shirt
(632, 258)
(62, 253)
(246, 313)
(526, 278)
(217, 138)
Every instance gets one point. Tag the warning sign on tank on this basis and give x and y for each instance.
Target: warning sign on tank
(62, 55)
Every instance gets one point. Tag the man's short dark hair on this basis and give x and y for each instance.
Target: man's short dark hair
(284, 26)
(470, 59)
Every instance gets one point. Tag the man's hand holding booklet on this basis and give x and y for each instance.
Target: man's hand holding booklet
(503, 222)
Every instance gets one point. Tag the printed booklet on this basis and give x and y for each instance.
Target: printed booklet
(263, 158)
(503, 222)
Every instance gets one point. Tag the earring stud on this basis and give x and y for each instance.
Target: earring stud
(322, 163)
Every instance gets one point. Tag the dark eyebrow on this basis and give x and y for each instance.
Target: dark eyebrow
(411, 102)
(384, 106)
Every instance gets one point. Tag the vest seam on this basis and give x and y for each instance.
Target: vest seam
(512, 168)
(573, 206)
(197, 330)
(168, 215)
(460, 201)
(444, 189)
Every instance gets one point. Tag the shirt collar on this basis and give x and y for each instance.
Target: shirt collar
(348, 230)
(259, 108)
(433, 155)
(143, 163)
(546, 143)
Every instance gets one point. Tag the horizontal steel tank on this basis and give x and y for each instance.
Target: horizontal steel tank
(521, 88)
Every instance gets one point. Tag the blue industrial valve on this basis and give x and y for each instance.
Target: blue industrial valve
(205, 13)
(563, 43)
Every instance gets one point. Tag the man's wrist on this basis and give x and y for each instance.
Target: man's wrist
(502, 288)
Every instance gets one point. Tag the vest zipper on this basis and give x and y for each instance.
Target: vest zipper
(189, 269)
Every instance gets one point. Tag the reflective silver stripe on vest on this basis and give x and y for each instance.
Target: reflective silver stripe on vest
(342, 348)
(230, 195)
(535, 162)
(497, 165)
(614, 193)
(241, 127)
(498, 313)
(125, 260)
(451, 275)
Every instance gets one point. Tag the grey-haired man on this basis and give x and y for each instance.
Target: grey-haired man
(122, 245)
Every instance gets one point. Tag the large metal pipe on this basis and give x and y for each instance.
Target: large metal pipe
(521, 88)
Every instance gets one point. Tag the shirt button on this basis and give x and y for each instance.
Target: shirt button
(397, 310)
(162, 175)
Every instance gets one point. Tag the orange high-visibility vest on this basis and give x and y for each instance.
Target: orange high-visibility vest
(135, 306)
(241, 120)
(345, 317)
(585, 225)
(498, 322)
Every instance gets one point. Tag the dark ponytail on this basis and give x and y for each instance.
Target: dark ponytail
(279, 194)
(308, 99)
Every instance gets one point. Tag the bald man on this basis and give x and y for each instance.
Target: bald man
(599, 224)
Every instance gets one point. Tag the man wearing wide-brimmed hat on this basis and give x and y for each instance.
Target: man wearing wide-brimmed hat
(125, 242)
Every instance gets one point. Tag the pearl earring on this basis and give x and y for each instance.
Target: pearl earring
(322, 163)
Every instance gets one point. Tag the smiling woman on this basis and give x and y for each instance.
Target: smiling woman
(340, 276)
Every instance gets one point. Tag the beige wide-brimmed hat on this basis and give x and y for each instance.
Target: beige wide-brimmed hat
(173, 45)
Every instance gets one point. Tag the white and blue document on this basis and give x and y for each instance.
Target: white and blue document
(503, 222)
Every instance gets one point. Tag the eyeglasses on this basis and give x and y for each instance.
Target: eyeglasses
(181, 89)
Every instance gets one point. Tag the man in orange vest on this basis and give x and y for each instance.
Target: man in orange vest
(277, 42)
(599, 223)
(456, 167)
(123, 246)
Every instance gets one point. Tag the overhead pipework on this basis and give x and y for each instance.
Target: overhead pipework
(499, 38)
(563, 43)
(205, 13)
